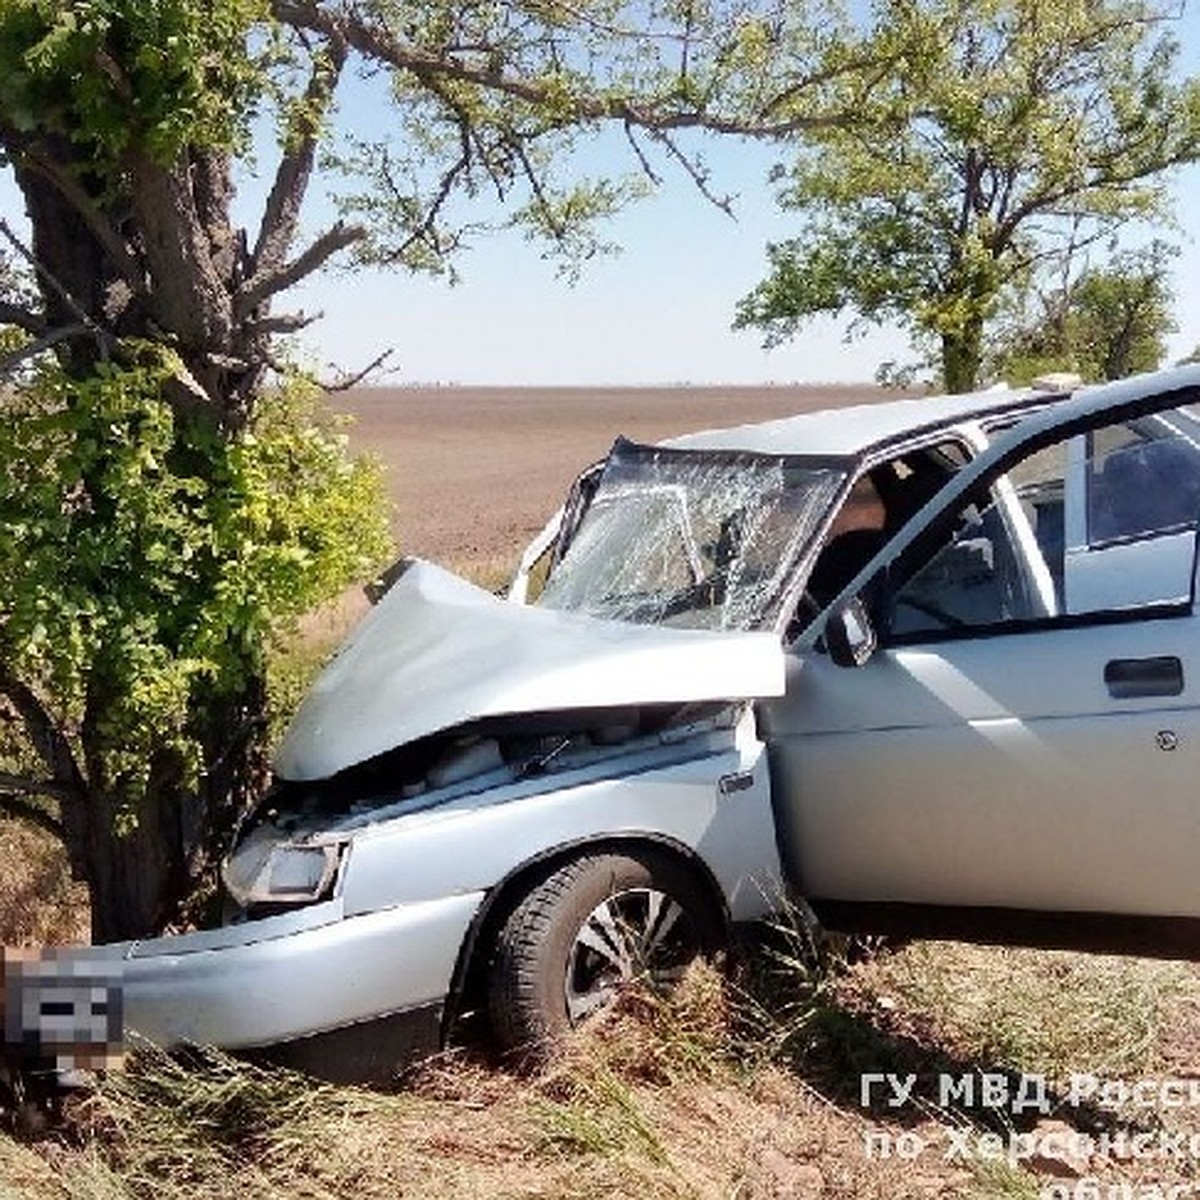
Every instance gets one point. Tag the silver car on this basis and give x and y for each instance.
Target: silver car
(930, 665)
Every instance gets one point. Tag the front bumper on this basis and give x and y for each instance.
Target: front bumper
(300, 977)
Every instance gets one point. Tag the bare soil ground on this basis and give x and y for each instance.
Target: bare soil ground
(475, 472)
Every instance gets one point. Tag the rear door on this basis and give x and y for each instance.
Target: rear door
(1027, 736)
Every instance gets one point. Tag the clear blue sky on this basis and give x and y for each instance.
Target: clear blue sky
(657, 313)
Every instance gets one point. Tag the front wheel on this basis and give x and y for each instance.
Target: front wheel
(595, 924)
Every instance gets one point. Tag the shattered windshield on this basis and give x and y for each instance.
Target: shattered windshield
(702, 539)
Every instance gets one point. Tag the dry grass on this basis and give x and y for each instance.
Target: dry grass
(39, 902)
(1035, 1011)
(653, 1100)
(690, 1095)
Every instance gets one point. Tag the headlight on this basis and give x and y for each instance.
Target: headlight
(262, 870)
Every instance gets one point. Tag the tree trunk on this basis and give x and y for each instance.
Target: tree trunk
(962, 354)
(78, 279)
(164, 258)
(144, 864)
(165, 261)
(136, 870)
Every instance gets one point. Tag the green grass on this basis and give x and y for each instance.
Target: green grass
(1000, 1181)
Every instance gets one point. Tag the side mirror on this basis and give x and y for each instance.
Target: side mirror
(850, 636)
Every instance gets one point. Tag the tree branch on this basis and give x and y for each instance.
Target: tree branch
(346, 382)
(262, 285)
(284, 323)
(21, 785)
(379, 44)
(22, 318)
(553, 224)
(64, 333)
(426, 230)
(695, 172)
(282, 211)
(21, 809)
(1104, 173)
(44, 734)
(103, 338)
(829, 74)
(644, 163)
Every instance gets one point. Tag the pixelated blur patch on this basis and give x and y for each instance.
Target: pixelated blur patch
(62, 1008)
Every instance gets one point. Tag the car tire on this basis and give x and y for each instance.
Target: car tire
(590, 926)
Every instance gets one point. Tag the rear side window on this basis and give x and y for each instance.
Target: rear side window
(1016, 554)
(1143, 478)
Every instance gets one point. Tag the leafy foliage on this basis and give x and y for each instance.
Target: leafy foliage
(145, 560)
(1109, 322)
(1009, 133)
(118, 76)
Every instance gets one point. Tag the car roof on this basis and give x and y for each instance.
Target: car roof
(853, 431)
(1177, 386)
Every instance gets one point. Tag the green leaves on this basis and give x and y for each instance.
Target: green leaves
(145, 561)
(1109, 322)
(152, 76)
(1005, 135)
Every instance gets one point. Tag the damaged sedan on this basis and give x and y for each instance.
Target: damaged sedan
(928, 665)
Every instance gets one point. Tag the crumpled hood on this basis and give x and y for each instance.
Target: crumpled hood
(438, 651)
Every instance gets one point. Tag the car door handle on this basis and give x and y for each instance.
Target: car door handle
(1160, 676)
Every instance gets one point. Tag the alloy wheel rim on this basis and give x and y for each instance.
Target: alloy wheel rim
(640, 933)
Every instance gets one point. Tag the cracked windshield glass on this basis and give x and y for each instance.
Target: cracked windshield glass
(698, 539)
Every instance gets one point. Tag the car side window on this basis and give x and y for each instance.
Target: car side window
(1101, 522)
(1143, 478)
(879, 503)
(971, 580)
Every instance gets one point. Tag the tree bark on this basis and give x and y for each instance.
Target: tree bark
(143, 864)
(962, 355)
(136, 878)
(166, 264)
(77, 279)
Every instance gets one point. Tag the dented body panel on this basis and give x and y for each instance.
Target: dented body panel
(439, 652)
(671, 794)
(389, 941)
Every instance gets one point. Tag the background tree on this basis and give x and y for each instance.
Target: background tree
(156, 513)
(1108, 322)
(1010, 131)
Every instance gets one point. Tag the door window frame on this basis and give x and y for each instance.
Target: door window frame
(882, 589)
